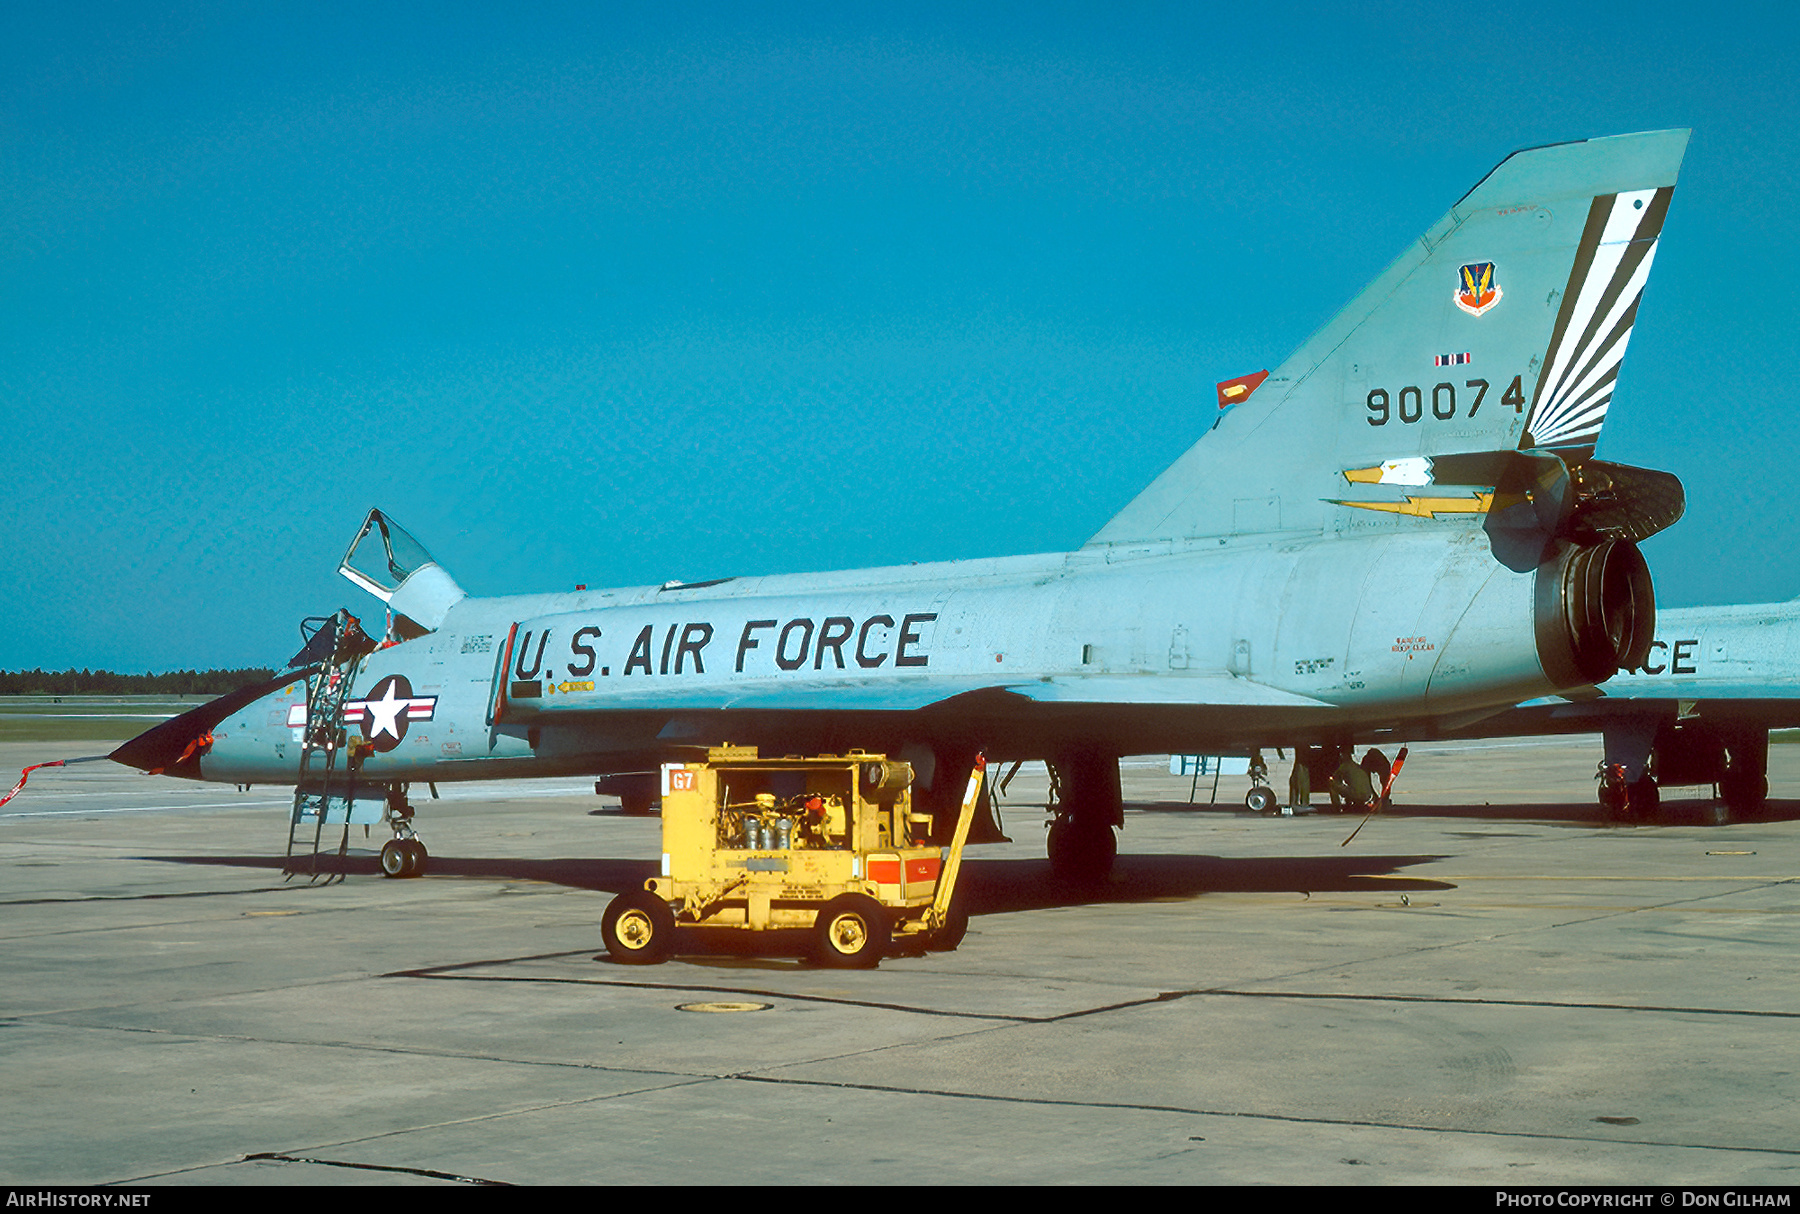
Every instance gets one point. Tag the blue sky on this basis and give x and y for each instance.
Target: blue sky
(618, 293)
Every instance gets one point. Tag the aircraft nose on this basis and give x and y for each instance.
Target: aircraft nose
(174, 747)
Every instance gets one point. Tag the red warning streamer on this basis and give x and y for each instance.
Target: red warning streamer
(26, 775)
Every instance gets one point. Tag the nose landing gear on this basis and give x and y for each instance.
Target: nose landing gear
(1261, 798)
(403, 858)
(403, 855)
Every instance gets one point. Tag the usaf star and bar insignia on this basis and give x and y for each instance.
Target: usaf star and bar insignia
(383, 714)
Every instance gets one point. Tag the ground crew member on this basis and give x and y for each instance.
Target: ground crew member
(1379, 769)
(1352, 783)
(1329, 759)
(1300, 779)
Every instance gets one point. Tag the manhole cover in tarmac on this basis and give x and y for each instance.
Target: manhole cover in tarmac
(723, 1007)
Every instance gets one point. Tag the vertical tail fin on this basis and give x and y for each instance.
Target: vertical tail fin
(1502, 328)
(1599, 306)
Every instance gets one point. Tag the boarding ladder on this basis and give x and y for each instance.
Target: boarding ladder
(328, 759)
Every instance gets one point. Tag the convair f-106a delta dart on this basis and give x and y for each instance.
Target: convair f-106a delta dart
(1403, 526)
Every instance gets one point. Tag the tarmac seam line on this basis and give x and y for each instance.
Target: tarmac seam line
(1285, 1118)
(1123, 1005)
(685, 1081)
(1552, 1004)
(370, 1167)
(194, 893)
(680, 1078)
(1676, 903)
(673, 988)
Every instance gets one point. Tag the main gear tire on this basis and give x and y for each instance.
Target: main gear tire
(1080, 852)
(1744, 792)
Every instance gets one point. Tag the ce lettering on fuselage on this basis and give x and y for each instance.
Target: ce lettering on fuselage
(1677, 657)
(789, 645)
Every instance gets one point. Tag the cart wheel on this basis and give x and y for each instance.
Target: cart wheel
(851, 932)
(946, 938)
(637, 928)
(395, 858)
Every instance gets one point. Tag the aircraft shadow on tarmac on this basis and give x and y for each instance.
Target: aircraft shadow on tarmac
(1676, 811)
(604, 876)
(999, 885)
(991, 886)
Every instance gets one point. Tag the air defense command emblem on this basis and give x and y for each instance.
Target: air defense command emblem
(1476, 291)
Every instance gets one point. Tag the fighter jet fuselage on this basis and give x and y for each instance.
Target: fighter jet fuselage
(1018, 655)
(1402, 523)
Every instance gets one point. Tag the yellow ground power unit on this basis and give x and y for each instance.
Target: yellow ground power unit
(830, 844)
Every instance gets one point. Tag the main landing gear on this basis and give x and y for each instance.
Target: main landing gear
(1087, 805)
(1744, 784)
(1626, 800)
(1731, 756)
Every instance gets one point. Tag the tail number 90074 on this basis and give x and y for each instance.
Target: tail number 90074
(1410, 406)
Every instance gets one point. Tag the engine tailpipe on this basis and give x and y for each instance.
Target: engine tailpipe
(1595, 612)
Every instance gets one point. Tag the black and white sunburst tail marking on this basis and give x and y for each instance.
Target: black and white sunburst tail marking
(1598, 308)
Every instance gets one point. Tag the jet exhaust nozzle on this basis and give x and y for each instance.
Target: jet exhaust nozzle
(1595, 612)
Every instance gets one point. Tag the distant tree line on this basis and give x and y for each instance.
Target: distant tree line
(105, 682)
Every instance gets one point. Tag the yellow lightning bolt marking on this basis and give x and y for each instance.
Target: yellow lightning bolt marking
(1429, 507)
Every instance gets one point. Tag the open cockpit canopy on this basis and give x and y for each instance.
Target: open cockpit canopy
(390, 564)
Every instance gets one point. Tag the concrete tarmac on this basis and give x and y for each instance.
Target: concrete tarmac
(1488, 985)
